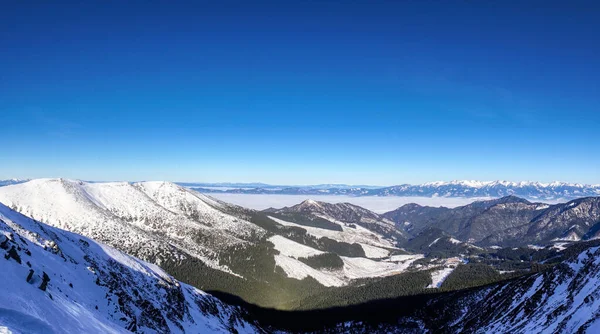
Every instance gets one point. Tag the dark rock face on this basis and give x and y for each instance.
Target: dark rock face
(13, 254)
(30, 276)
(45, 280)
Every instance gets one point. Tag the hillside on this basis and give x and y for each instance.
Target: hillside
(55, 281)
(348, 214)
(508, 221)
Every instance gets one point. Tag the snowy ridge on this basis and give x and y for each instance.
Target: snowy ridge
(151, 220)
(55, 281)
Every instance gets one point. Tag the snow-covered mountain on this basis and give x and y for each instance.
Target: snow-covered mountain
(54, 281)
(526, 189)
(211, 244)
(150, 220)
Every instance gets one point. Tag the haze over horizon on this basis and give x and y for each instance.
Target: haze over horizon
(378, 93)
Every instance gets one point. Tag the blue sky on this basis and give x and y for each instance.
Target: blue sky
(383, 92)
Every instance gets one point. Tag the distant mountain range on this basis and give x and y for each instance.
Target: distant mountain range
(472, 189)
(539, 191)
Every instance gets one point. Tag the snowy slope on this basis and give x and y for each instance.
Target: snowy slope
(94, 288)
(563, 299)
(151, 220)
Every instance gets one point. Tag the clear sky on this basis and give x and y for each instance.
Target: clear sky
(361, 92)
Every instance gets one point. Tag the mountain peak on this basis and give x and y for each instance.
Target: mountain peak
(310, 204)
(512, 199)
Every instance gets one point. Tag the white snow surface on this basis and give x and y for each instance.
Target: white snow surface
(86, 281)
(354, 268)
(439, 276)
(454, 241)
(299, 270)
(291, 248)
(359, 267)
(374, 252)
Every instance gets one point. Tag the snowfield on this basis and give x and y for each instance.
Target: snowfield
(358, 267)
(439, 276)
(299, 270)
(374, 252)
(291, 248)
